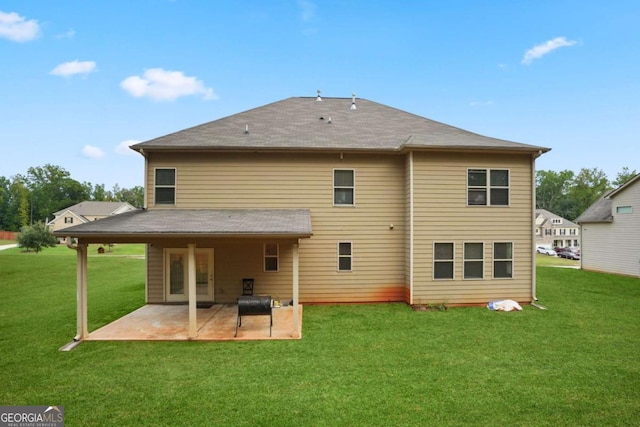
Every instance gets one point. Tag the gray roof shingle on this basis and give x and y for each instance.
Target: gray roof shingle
(204, 222)
(600, 211)
(93, 208)
(301, 123)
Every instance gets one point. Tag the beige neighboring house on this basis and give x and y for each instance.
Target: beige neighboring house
(611, 231)
(553, 231)
(329, 200)
(84, 212)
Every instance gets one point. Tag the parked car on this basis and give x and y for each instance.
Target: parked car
(546, 251)
(568, 253)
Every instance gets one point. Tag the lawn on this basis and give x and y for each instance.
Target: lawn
(555, 261)
(576, 363)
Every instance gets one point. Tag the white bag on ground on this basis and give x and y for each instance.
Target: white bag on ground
(504, 305)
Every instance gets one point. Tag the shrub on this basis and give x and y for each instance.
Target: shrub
(36, 237)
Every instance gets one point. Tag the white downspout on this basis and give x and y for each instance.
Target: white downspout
(533, 228)
(411, 227)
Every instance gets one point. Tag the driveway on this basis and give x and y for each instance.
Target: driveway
(3, 247)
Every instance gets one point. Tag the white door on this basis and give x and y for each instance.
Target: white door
(176, 278)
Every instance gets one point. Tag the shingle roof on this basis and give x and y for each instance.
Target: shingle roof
(204, 222)
(600, 211)
(93, 208)
(306, 124)
(550, 215)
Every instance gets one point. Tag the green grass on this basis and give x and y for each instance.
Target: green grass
(576, 363)
(555, 261)
(6, 242)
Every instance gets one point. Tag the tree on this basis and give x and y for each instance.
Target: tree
(134, 196)
(36, 237)
(587, 187)
(551, 189)
(624, 176)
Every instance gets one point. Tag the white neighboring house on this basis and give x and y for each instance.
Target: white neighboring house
(84, 212)
(555, 231)
(610, 230)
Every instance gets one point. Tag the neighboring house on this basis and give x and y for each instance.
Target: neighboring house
(331, 200)
(554, 231)
(84, 212)
(611, 231)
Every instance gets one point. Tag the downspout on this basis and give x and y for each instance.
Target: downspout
(534, 156)
(411, 227)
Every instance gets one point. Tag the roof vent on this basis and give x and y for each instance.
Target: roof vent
(353, 101)
(329, 119)
(246, 128)
(318, 98)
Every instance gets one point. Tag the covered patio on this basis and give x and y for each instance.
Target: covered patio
(154, 322)
(191, 229)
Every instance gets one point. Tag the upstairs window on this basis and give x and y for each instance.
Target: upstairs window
(165, 187)
(68, 220)
(345, 255)
(503, 260)
(488, 187)
(556, 221)
(343, 187)
(443, 260)
(271, 252)
(624, 209)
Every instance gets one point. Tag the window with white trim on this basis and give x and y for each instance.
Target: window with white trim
(473, 260)
(271, 253)
(488, 187)
(344, 187)
(556, 221)
(68, 220)
(443, 254)
(624, 209)
(165, 186)
(503, 260)
(345, 256)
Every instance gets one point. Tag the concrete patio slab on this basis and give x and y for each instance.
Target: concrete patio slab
(218, 323)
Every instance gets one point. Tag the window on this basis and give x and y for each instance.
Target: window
(563, 231)
(502, 260)
(624, 209)
(537, 231)
(488, 187)
(547, 232)
(344, 256)
(343, 187)
(68, 220)
(443, 260)
(473, 260)
(271, 251)
(556, 221)
(165, 187)
(572, 231)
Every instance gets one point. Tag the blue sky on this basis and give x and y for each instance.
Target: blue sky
(79, 80)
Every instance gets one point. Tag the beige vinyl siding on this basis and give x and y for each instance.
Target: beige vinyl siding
(615, 247)
(441, 214)
(264, 180)
(234, 260)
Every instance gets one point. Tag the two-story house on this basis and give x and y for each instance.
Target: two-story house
(554, 231)
(86, 211)
(611, 231)
(331, 200)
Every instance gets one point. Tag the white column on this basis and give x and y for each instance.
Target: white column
(193, 306)
(296, 317)
(81, 293)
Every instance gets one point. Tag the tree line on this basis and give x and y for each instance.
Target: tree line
(568, 194)
(35, 196)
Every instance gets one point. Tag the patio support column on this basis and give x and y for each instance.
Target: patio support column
(193, 304)
(296, 320)
(81, 293)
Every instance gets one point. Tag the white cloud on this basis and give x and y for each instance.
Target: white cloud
(92, 152)
(17, 28)
(542, 49)
(481, 103)
(308, 9)
(123, 147)
(69, 34)
(74, 67)
(164, 85)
